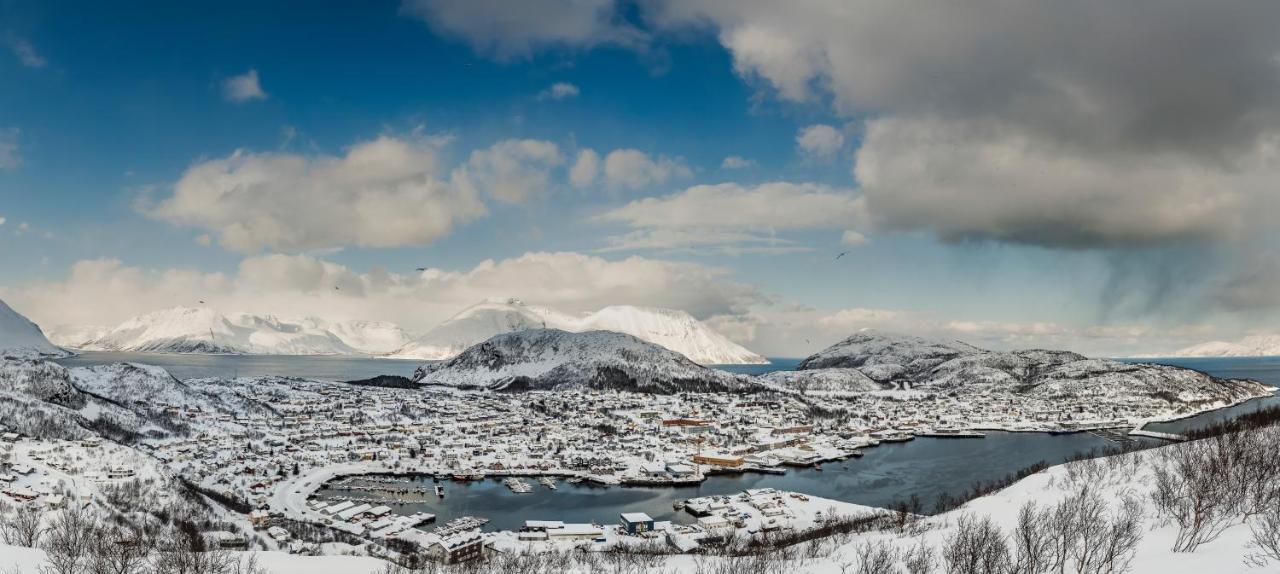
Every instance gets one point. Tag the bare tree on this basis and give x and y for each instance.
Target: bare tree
(1124, 532)
(976, 547)
(117, 550)
(1033, 540)
(66, 542)
(22, 528)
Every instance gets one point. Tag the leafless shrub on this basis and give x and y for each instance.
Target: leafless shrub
(1266, 537)
(877, 558)
(976, 547)
(919, 559)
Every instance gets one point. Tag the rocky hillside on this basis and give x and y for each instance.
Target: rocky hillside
(537, 359)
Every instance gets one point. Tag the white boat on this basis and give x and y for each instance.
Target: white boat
(518, 486)
(547, 482)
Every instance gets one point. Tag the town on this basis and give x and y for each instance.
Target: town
(287, 439)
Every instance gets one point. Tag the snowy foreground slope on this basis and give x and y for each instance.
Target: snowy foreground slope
(20, 337)
(203, 330)
(673, 329)
(550, 358)
(873, 360)
(1251, 346)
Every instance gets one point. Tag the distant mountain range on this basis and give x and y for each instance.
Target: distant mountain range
(675, 330)
(204, 330)
(873, 360)
(1251, 346)
(19, 337)
(868, 361)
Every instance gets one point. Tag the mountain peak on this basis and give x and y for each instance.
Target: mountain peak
(539, 359)
(674, 329)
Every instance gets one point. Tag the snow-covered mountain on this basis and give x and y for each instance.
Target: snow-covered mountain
(75, 336)
(871, 359)
(188, 330)
(20, 337)
(538, 359)
(204, 330)
(675, 330)
(371, 337)
(1251, 346)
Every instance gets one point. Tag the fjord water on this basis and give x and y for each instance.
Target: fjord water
(889, 472)
(893, 471)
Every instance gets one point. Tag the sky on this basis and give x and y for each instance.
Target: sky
(1095, 175)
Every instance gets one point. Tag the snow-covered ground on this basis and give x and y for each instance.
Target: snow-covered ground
(1113, 481)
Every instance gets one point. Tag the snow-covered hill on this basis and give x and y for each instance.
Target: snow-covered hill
(673, 329)
(20, 337)
(892, 361)
(188, 330)
(536, 359)
(1251, 346)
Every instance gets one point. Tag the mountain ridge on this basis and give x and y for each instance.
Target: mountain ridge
(674, 329)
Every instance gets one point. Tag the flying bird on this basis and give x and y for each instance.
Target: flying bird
(202, 302)
(421, 269)
(842, 254)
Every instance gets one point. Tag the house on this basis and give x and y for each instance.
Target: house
(718, 460)
(458, 548)
(575, 532)
(224, 539)
(715, 524)
(636, 522)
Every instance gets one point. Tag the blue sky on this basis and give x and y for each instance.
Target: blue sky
(110, 113)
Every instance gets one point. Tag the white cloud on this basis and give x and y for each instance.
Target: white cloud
(559, 91)
(9, 158)
(1056, 119)
(302, 285)
(243, 88)
(387, 192)
(509, 30)
(585, 169)
(634, 169)
(737, 162)
(733, 215)
(851, 238)
(985, 180)
(820, 141)
(511, 170)
(2, 220)
(25, 52)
